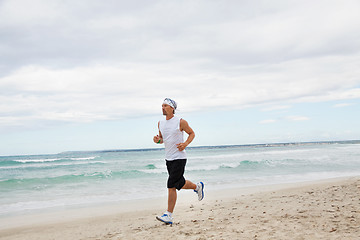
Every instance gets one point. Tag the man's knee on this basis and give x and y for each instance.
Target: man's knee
(172, 189)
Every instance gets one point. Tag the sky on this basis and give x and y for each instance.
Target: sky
(92, 75)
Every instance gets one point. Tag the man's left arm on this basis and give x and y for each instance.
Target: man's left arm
(184, 126)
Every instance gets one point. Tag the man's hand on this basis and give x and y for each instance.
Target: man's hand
(157, 139)
(181, 146)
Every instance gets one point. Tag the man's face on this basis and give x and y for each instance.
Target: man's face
(167, 110)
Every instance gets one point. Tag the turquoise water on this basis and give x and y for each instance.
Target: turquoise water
(30, 183)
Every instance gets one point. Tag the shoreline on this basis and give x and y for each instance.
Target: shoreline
(238, 209)
(55, 214)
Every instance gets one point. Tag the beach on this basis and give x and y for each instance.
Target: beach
(325, 209)
(36, 183)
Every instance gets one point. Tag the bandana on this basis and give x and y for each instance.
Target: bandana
(170, 102)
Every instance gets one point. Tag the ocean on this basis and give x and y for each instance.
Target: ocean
(73, 179)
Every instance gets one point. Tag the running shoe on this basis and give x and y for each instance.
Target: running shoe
(165, 218)
(200, 190)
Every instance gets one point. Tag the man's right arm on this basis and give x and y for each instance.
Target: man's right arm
(158, 138)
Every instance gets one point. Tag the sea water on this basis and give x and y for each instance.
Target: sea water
(73, 179)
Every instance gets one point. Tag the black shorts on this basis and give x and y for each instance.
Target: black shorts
(176, 169)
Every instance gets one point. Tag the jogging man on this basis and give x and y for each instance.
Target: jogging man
(171, 131)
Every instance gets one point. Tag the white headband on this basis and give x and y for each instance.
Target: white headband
(170, 102)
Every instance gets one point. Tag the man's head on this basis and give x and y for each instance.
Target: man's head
(169, 106)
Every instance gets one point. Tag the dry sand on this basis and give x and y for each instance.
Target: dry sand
(319, 210)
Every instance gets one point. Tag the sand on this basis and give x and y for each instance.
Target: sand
(318, 210)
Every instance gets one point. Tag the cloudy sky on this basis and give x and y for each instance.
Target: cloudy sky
(91, 74)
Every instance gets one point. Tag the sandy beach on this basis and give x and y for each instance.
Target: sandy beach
(328, 209)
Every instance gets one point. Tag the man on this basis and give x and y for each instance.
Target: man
(171, 131)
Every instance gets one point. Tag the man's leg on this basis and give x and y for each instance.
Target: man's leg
(189, 185)
(172, 195)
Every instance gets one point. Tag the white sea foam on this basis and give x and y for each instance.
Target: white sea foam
(44, 165)
(40, 160)
(37, 160)
(68, 201)
(158, 170)
(83, 158)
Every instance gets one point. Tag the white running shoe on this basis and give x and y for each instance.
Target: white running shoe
(200, 190)
(165, 219)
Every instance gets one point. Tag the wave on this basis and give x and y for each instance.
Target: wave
(37, 160)
(151, 166)
(83, 158)
(52, 165)
(154, 171)
(244, 164)
(88, 178)
(53, 159)
(45, 162)
(240, 155)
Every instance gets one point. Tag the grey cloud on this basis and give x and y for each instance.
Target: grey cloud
(69, 59)
(231, 32)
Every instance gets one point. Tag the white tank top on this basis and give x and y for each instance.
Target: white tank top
(170, 131)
